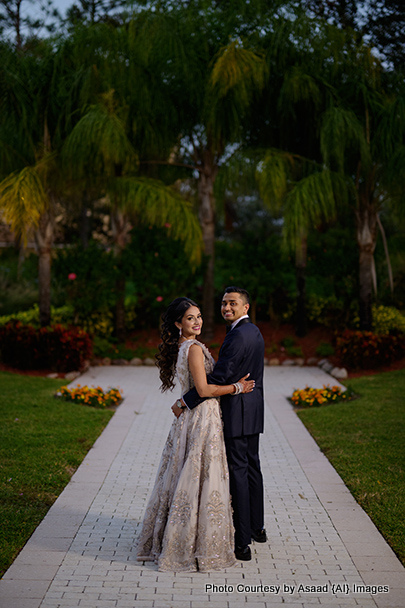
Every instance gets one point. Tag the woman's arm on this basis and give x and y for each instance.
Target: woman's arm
(197, 369)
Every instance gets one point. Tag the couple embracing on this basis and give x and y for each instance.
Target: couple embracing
(207, 502)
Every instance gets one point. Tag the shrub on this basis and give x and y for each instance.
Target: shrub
(110, 348)
(365, 350)
(96, 324)
(325, 350)
(63, 315)
(387, 319)
(56, 347)
(325, 311)
(287, 342)
(18, 281)
(294, 351)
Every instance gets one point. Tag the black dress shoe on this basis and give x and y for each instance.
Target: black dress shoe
(259, 536)
(243, 553)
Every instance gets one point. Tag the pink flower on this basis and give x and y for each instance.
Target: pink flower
(72, 276)
(167, 225)
(159, 299)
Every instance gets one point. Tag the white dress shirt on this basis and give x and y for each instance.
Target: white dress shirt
(237, 321)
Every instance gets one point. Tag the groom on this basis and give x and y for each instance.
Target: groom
(241, 353)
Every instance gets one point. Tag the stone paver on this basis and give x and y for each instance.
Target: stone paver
(323, 550)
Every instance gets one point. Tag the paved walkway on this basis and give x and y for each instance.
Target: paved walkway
(323, 550)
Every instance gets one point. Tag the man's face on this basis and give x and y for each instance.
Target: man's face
(233, 307)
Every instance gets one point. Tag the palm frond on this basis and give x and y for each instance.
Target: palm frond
(98, 143)
(237, 75)
(298, 87)
(307, 203)
(238, 68)
(390, 128)
(273, 175)
(237, 174)
(23, 200)
(341, 131)
(155, 203)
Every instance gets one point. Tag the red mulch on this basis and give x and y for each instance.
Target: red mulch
(28, 372)
(272, 335)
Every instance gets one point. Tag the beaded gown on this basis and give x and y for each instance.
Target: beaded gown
(188, 521)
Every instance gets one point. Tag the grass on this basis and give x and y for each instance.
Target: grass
(364, 439)
(42, 442)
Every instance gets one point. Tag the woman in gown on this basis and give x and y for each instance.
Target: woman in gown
(188, 520)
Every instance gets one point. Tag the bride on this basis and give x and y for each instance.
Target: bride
(188, 521)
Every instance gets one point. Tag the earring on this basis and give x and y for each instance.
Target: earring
(180, 332)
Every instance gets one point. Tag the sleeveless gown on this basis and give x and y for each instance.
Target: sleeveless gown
(188, 520)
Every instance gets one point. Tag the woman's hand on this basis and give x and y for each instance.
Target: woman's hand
(177, 411)
(247, 385)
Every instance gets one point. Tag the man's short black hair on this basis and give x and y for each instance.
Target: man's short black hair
(245, 294)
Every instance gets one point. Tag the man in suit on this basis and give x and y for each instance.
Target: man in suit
(243, 415)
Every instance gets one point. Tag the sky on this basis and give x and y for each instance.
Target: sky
(33, 8)
(63, 5)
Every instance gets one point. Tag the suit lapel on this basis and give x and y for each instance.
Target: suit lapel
(243, 322)
(229, 331)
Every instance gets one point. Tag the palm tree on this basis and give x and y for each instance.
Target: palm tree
(292, 179)
(29, 186)
(339, 115)
(205, 78)
(304, 193)
(368, 149)
(99, 152)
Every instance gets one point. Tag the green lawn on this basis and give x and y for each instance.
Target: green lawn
(42, 442)
(364, 439)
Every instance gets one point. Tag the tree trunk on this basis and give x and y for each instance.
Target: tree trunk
(301, 324)
(387, 254)
(207, 221)
(44, 235)
(121, 228)
(120, 328)
(85, 225)
(366, 238)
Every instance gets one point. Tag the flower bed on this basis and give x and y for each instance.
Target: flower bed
(56, 347)
(314, 397)
(92, 396)
(365, 350)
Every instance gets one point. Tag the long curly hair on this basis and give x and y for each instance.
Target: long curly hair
(168, 349)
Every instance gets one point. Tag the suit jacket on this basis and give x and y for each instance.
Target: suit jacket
(242, 352)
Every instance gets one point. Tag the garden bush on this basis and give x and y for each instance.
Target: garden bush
(325, 349)
(321, 310)
(18, 281)
(387, 319)
(155, 268)
(325, 311)
(366, 350)
(63, 315)
(56, 347)
(96, 324)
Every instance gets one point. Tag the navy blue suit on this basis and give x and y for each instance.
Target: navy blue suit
(243, 417)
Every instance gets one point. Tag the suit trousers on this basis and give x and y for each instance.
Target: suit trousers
(246, 486)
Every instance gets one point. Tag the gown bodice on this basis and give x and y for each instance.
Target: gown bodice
(182, 369)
